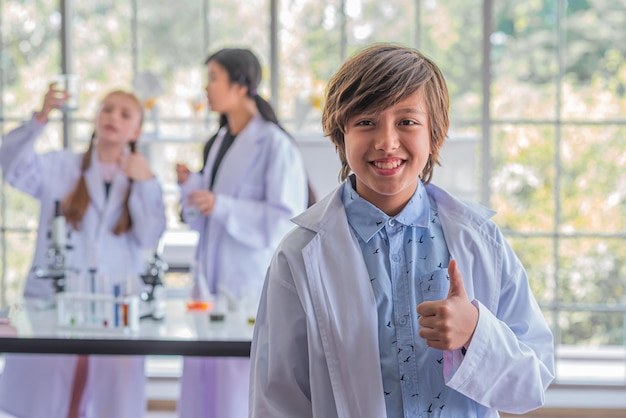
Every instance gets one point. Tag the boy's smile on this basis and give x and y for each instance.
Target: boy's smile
(387, 166)
(387, 152)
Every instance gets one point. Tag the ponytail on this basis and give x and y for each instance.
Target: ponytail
(76, 203)
(125, 222)
(266, 110)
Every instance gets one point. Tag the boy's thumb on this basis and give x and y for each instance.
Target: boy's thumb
(457, 288)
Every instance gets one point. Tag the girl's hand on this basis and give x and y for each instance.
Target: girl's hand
(54, 99)
(182, 173)
(136, 167)
(204, 200)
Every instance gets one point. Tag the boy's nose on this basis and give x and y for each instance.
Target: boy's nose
(387, 138)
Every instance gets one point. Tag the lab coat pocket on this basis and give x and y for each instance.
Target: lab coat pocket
(435, 285)
(251, 190)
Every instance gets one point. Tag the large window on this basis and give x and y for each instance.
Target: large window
(538, 98)
(557, 170)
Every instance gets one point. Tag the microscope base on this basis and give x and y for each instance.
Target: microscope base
(152, 309)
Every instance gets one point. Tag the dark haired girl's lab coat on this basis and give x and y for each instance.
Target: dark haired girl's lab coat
(38, 385)
(261, 184)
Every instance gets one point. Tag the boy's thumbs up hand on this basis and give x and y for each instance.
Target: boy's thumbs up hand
(457, 288)
(448, 324)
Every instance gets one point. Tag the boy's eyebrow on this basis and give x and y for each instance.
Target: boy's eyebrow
(401, 111)
(417, 109)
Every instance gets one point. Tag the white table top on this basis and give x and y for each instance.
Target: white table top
(181, 332)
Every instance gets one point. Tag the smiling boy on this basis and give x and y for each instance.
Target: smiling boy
(392, 296)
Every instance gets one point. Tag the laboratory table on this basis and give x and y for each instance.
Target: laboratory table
(35, 330)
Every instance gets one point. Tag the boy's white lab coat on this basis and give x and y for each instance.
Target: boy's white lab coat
(38, 385)
(260, 185)
(315, 346)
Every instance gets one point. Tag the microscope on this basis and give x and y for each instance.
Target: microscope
(58, 266)
(152, 304)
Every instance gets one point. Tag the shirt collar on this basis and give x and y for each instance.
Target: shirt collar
(366, 219)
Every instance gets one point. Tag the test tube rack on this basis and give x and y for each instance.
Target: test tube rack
(98, 312)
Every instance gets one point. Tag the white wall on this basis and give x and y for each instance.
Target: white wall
(322, 164)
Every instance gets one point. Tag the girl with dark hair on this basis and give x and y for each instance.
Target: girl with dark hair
(114, 210)
(253, 183)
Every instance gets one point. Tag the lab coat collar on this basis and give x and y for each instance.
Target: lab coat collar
(472, 212)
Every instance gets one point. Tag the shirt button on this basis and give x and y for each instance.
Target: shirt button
(402, 321)
(395, 257)
(392, 223)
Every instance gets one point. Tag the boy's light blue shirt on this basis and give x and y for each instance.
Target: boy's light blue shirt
(407, 259)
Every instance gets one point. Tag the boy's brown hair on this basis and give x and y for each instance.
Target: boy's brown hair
(378, 77)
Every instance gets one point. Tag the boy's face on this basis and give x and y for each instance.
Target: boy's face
(388, 151)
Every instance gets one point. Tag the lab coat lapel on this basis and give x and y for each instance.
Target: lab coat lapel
(234, 167)
(95, 184)
(345, 310)
(117, 194)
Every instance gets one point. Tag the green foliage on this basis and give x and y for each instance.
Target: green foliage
(319, 37)
(523, 177)
(592, 190)
(589, 187)
(537, 257)
(590, 269)
(594, 329)
(451, 35)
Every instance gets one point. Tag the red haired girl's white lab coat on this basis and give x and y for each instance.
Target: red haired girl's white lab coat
(40, 385)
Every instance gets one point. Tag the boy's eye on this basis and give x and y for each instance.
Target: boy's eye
(407, 122)
(364, 123)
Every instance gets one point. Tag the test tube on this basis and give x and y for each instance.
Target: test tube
(125, 314)
(117, 292)
(92, 305)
